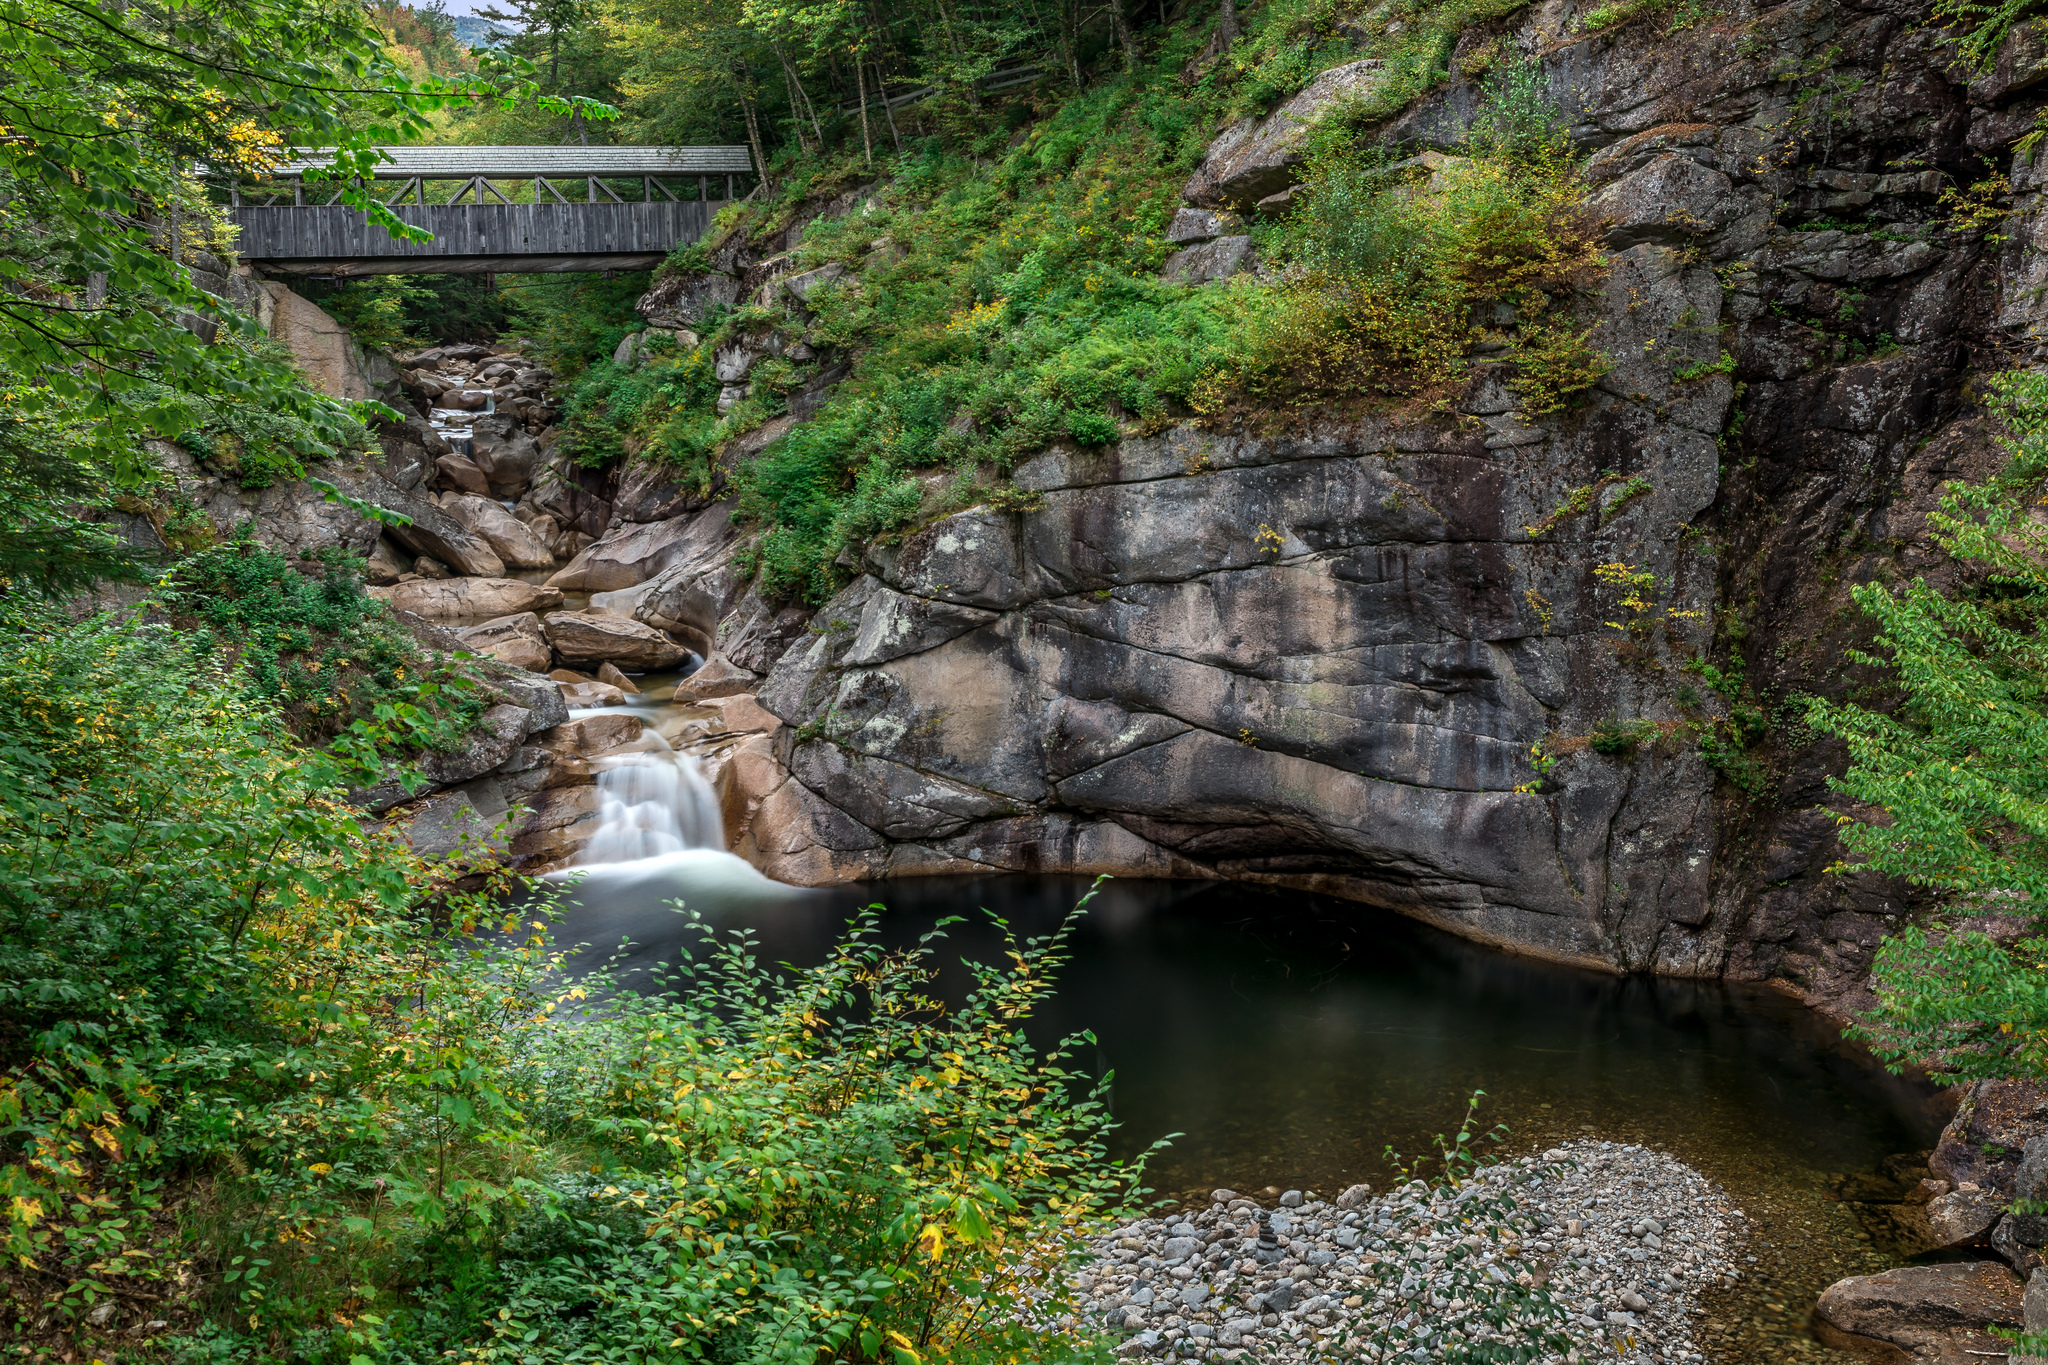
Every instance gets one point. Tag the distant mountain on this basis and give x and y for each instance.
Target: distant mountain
(471, 31)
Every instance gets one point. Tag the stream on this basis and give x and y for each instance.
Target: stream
(1289, 1039)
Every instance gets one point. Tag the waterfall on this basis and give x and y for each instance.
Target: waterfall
(652, 801)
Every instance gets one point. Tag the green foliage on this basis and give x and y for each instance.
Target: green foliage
(1620, 739)
(321, 651)
(1394, 262)
(1683, 14)
(48, 486)
(378, 310)
(1950, 789)
(204, 963)
(1959, 773)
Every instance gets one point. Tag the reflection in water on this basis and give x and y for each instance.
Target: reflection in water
(1291, 1039)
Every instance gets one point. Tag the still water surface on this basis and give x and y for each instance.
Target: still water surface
(1290, 1040)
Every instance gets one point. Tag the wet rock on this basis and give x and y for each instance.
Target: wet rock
(718, 677)
(609, 674)
(469, 599)
(592, 736)
(1932, 1313)
(593, 638)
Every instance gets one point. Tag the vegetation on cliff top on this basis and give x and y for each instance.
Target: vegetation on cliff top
(1000, 290)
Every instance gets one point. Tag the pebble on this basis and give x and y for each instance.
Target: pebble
(1623, 1237)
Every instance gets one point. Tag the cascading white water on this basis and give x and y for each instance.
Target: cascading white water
(652, 801)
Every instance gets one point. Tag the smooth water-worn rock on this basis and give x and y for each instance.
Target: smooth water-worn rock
(585, 637)
(469, 599)
(1932, 1313)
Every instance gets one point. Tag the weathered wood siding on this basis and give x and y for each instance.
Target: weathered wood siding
(336, 232)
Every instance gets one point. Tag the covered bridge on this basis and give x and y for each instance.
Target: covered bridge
(493, 209)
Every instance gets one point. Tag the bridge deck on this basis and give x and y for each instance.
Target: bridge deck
(470, 238)
(567, 234)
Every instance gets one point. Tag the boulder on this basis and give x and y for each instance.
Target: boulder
(432, 532)
(558, 491)
(588, 695)
(541, 698)
(469, 599)
(650, 492)
(1190, 226)
(608, 672)
(508, 457)
(592, 736)
(683, 301)
(1964, 1217)
(459, 471)
(637, 552)
(719, 677)
(1932, 1313)
(516, 639)
(512, 539)
(1217, 260)
(410, 449)
(1257, 157)
(486, 744)
(386, 563)
(1671, 200)
(593, 638)
(426, 566)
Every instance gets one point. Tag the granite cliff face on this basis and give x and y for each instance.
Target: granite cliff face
(1322, 657)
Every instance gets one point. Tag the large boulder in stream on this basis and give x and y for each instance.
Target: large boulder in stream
(516, 639)
(1934, 1314)
(512, 539)
(431, 532)
(589, 637)
(468, 599)
(638, 551)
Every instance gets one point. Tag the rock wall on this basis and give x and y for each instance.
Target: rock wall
(1321, 658)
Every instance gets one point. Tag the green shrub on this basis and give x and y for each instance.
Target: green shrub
(321, 650)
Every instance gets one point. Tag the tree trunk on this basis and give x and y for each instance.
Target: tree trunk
(860, 85)
(882, 90)
(1226, 31)
(1124, 38)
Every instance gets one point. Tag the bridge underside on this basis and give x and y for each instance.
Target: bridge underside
(456, 265)
(469, 239)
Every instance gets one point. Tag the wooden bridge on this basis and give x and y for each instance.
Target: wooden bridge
(570, 208)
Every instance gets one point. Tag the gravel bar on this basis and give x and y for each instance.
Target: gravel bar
(1624, 1238)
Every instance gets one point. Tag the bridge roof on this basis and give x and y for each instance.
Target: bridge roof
(508, 162)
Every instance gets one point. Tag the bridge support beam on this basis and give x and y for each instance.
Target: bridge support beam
(459, 265)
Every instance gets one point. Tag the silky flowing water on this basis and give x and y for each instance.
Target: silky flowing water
(1289, 1040)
